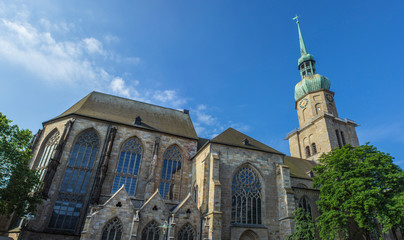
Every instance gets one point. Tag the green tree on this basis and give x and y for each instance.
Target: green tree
(359, 186)
(16, 178)
(304, 226)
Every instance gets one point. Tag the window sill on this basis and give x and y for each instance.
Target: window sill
(241, 225)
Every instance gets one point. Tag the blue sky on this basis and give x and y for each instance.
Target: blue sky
(232, 63)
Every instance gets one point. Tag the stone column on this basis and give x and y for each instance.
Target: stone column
(102, 171)
(150, 183)
(55, 160)
(286, 201)
(214, 215)
(135, 226)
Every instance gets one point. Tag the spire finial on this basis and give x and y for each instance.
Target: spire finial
(303, 49)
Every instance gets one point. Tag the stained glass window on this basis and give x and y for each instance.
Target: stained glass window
(171, 174)
(70, 201)
(186, 232)
(128, 166)
(305, 204)
(246, 197)
(47, 153)
(151, 231)
(113, 230)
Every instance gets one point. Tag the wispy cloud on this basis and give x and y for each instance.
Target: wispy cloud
(208, 126)
(75, 62)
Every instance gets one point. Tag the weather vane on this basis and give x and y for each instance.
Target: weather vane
(296, 18)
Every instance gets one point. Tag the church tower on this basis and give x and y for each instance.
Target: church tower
(320, 129)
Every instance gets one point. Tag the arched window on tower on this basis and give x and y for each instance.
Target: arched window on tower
(71, 197)
(308, 151)
(305, 204)
(151, 231)
(246, 197)
(318, 108)
(128, 167)
(338, 138)
(171, 174)
(47, 153)
(313, 148)
(343, 138)
(113, 230)
(187, 232)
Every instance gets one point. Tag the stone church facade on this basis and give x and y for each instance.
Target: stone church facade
(114, 168)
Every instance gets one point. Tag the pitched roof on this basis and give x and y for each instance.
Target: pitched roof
(121, 110)
(235, 138)
(299, 167)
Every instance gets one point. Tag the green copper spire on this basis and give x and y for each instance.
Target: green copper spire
(311, 81)
(303, 49)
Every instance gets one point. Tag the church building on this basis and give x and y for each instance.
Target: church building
(116, 169)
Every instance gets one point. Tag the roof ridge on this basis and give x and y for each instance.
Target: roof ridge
(124, 98)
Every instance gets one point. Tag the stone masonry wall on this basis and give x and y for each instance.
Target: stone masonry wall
(231, 159)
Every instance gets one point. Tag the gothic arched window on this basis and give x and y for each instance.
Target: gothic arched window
(151, 231)
(186, 232)
(305, 204)
(47, 153)
(128, 166)
(70, 201)
(307, 151)
(170, 185)
(313, 148)
(113, 230)
(246, 197)
(343, 138)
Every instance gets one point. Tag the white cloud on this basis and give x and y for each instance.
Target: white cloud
(119, 87)
(29, 44)
(168, 96)
(93, 45)
(204, 118)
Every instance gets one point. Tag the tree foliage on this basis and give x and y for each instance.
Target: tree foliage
(304, 226)
(358, 186)
(16, 178)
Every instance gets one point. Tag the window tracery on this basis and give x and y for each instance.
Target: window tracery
(187, 232)
(47, 154)
(68, 206)
(305, 204)
(171, 174)
(151, 231)
(113, 230)
(246, 197)
(128, 167)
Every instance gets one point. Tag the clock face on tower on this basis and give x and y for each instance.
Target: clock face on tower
(303, 103)
(329, 97)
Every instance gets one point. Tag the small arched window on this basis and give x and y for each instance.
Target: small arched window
(305, 204)
(308, 151)
(171, 174)
(343, 138)
(151, 231)
(313, 148)
(187, 232)
(318, 108)
(71, 197)
(47, 153)
(246, 197)
(113, 230)
(128, 167)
